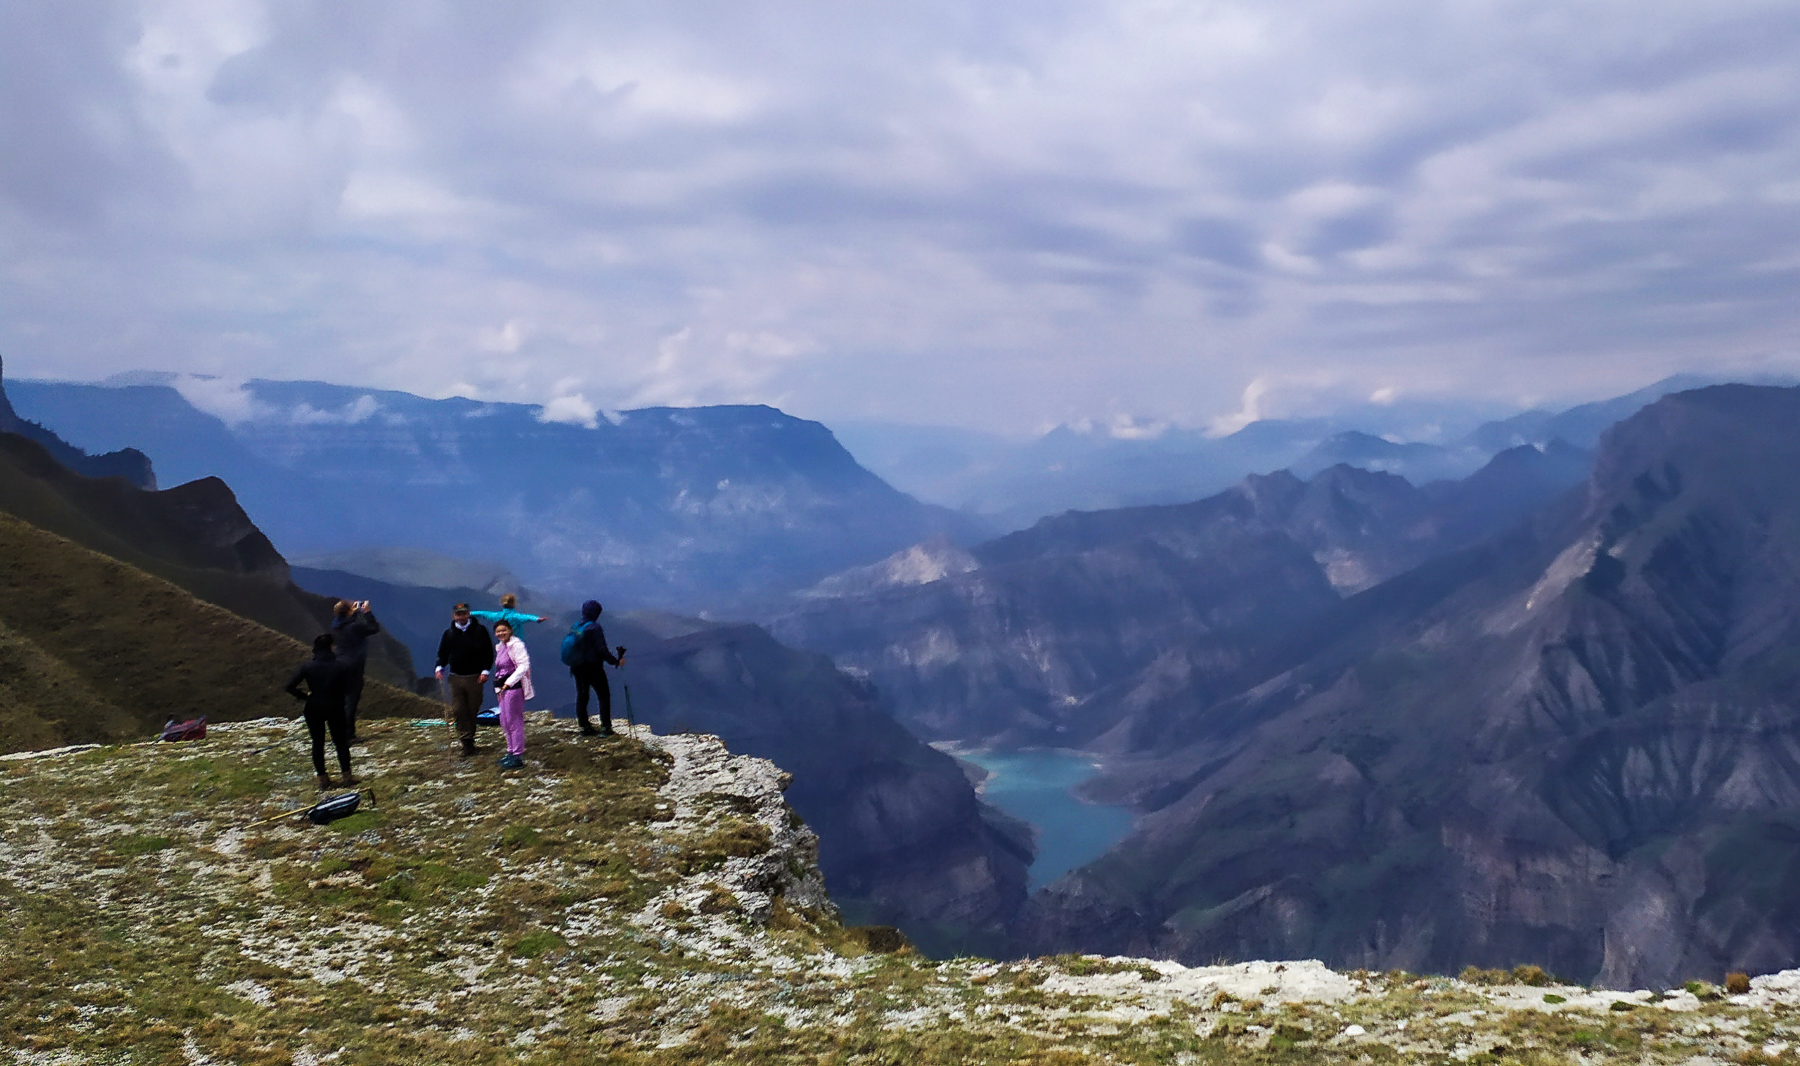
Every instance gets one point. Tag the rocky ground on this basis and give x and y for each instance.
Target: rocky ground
(646, 899)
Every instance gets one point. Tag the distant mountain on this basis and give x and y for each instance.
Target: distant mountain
(416, 566)
(1049, 635)
(127, 463)
(902, 837)
(1416, 462)
(1575, 744)
(1583, 424)
(1086, 466)
(699, 507)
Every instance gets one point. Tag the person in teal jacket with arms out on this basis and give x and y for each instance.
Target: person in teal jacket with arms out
(509, 613)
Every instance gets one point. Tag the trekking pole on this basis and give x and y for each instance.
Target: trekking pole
(630, 719)
(312, 806)
(444, 694)
(279, 817)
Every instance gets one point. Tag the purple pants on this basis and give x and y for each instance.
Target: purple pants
(512, 719)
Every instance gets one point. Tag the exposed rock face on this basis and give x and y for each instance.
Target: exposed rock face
(1059, 633)
(680, 508)
(1574, 745)
(902, 833)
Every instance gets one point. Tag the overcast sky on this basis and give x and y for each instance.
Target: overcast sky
(1001, 214)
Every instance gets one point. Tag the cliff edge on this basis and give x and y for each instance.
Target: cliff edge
(651, 899)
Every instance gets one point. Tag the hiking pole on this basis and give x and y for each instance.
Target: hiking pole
(444, 694)
(630, 719)
(330, 803)
(279, 817)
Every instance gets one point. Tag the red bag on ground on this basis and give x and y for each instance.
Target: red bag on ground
(190, 730)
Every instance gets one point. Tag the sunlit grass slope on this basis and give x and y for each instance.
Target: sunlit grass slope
(95, 650)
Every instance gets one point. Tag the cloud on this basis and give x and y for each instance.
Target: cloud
(574, 409)
(1020, 214)
(229, 401)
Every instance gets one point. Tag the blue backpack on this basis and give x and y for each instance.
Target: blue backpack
(577, 650)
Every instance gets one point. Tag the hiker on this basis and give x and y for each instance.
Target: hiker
(352, 625)
(466, 654)
(325, 679)
(509, 613)
(512, 687)
(585, 653)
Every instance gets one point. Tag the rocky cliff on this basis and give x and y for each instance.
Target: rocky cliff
(648, 901)
(1573, 744)
(1057, 634)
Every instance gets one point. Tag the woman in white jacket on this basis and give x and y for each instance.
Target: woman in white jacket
(512, 685)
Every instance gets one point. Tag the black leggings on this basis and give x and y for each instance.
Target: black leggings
(592, 677)
(318, 722)
(353, 690)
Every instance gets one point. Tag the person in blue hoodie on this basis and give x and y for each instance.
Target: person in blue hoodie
(589, 670)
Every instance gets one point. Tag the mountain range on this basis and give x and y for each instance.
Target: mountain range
(1055, 634)
(1009, 484)
(1574, 742)
(677, 508)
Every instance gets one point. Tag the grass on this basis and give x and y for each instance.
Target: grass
(89, 654)
(561, 916)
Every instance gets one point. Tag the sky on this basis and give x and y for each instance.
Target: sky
(1002, 215)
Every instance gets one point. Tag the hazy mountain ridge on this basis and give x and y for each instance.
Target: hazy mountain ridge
(1576, 742)
(127, 463)
(1090, 466)
(692, 508)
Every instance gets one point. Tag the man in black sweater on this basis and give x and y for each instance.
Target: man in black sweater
(465, 655)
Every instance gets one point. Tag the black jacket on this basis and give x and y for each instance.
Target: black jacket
(466, 651)
(326, 679)
(352, 637)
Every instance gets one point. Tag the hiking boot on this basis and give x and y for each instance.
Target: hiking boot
(358, 741)
(589, 731)
(608, 732)
(512, 762)
(468, 748)
(352, 779)
(324, 782)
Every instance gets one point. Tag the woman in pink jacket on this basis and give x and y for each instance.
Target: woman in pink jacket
(512, 685)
